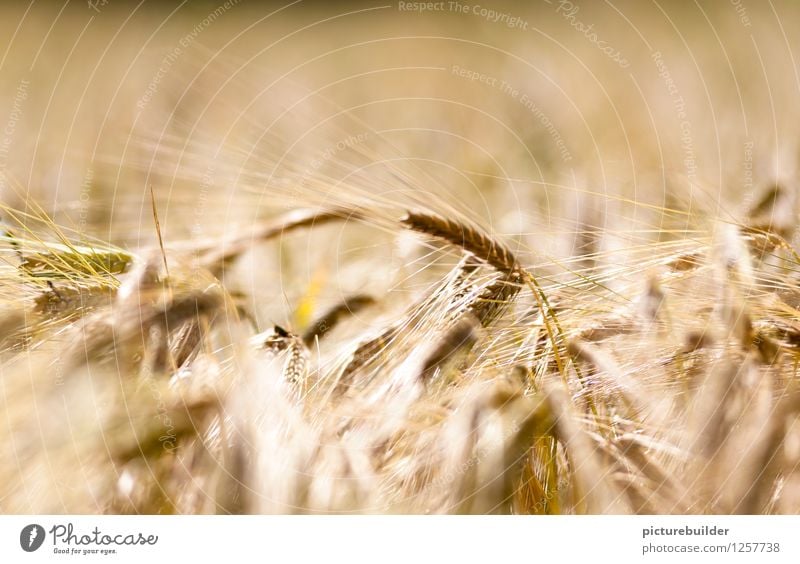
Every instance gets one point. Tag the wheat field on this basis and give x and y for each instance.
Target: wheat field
(443, 257)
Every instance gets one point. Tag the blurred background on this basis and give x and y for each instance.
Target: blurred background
(558, 124)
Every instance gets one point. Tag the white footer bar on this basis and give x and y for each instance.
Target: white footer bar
(394, 539)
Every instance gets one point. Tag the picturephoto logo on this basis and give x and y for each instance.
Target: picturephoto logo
(31, 537)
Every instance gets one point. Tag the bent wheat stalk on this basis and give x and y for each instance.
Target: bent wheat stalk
(217, 258)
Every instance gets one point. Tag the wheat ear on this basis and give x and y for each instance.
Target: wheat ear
(469, 238)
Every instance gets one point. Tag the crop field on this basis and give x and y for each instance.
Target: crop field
(410, 258)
